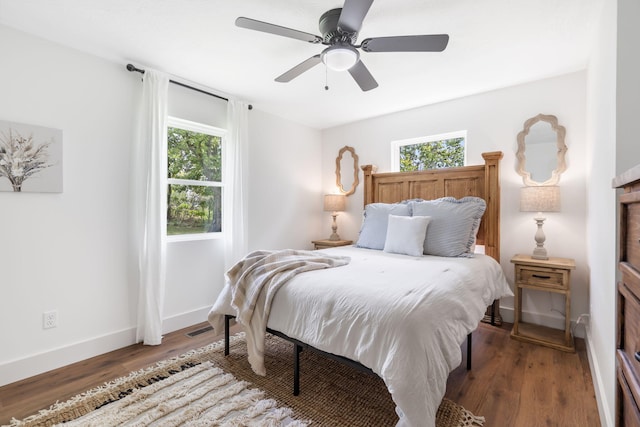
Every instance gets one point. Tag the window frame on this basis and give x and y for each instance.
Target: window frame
(395, 145)
(175, 122)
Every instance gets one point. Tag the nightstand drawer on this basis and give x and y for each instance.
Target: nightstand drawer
(543, 277)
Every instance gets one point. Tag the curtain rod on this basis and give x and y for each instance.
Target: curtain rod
(133, 68)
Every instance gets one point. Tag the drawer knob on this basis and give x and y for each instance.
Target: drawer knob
(537, 276)
(637, 356)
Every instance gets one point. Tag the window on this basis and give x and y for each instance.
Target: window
(195, 184)
(430, 152)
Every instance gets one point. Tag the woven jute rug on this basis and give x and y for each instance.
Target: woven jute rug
(195, 386)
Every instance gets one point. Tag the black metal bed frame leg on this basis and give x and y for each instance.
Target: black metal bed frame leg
(227, 318)
(469, 336)
(469, 352)
(296, 368)
(493, 313)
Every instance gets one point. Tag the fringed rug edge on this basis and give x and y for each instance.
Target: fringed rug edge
(111, 391)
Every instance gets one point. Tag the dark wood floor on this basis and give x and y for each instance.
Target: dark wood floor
(511, 383)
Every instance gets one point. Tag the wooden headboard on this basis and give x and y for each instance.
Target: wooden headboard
(481, 181)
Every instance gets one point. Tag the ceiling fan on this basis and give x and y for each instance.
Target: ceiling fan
(339, 28)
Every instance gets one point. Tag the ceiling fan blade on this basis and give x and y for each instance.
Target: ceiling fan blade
(265, 27)
(426, 43)
(352, 15)
(299, 69)
(363, 77)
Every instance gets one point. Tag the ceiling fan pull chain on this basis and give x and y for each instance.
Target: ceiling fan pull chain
(326, 78)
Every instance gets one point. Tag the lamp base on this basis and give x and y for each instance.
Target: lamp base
(540, 253)
(334, 228)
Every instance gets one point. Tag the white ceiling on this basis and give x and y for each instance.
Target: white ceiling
(493, 44)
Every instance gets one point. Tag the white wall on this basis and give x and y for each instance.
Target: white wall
(612, 119)
(285, 198)
(628, 85)
(601, 212)
(492, 121)
(68, 251)
(195, 271)
(614, 91)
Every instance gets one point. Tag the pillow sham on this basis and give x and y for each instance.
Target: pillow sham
(475, 238)
(452, 230)
(405, 234)
(374, 226)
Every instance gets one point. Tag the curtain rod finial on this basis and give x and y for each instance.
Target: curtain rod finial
(132, 68)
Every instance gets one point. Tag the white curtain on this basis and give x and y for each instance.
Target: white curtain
(149, 171)
(234, 172)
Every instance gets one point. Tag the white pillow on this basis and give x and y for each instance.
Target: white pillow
(405, 234)
(374, 225)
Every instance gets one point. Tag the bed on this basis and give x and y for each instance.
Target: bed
(403, 317)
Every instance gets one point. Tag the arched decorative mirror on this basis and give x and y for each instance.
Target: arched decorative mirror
(347, 170)
(541, 151)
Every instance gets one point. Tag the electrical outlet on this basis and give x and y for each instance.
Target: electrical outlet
(50, 319)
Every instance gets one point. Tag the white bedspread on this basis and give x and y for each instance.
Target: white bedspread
(256, 279)
(403, 317)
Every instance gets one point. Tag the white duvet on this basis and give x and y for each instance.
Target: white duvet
(403, 317)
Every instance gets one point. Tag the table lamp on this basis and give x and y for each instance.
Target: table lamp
(540, 199)
(334, 203)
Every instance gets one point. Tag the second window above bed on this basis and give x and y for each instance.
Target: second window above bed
(430, 152)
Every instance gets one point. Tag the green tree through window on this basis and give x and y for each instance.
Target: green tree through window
(445, 153)
(194, 172)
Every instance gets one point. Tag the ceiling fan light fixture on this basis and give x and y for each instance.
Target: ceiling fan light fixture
(340, 28)
(340, 57)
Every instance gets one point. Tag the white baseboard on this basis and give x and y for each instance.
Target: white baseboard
(507, 314)
(184, 320)
(29, 366)
(604, 407)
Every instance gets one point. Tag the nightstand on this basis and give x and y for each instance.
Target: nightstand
(552, 275)
(324, 244)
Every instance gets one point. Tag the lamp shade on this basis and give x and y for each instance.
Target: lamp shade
(334, 202)
(540, 199)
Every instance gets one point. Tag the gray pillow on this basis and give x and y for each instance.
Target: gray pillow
(453, 224)
(374, 226)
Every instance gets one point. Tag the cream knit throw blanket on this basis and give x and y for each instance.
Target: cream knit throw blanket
(254, 281)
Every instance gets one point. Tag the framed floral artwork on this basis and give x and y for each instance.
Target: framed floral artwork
(30, 158)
